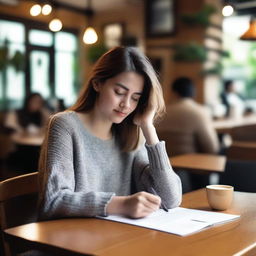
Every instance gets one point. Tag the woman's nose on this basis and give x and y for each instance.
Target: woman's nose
(125, 103)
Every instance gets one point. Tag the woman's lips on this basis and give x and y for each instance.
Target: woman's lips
(120, 113)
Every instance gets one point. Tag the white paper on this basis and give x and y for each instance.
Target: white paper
(179, 221)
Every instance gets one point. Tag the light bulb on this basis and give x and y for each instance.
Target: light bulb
(46, 9)
(55, 25)
(227, 10)
(90, 36)
(35, 10)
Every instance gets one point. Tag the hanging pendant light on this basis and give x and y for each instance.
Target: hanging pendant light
(250, 34)
(227, 10)
(90, 36)
(35, 10)
(55, 25)
(46, 9)
(38, 9)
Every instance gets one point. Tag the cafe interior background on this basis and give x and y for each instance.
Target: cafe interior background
(50, 46)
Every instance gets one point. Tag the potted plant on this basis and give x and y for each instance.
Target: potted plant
(201, 17)
(189, 52)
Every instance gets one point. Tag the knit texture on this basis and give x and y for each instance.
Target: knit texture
(81, 173)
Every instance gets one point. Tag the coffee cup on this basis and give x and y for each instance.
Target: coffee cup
(219, 196)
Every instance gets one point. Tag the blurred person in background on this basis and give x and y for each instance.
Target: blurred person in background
(188, 126)
(27, 125)
(234, 102)
(31, 118)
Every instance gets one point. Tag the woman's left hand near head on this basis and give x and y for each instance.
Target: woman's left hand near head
(146, 118)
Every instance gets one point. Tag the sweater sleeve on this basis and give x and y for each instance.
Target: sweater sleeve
(58, 178)
(152, 168)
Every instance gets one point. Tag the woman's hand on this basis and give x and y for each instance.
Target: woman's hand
(147, 117)
(145, 121)
(137, 205)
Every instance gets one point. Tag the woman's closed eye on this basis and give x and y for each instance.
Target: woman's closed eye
(136, 98)
(120, 92)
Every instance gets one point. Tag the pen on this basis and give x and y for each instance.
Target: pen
(152, 190)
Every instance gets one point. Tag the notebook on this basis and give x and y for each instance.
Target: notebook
(179, 221)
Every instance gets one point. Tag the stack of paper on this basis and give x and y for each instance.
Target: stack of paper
(179, 221)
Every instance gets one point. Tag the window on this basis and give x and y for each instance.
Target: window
(65, 67)
(39, 37)
(12, 81)
(51, 68)
(240, 65)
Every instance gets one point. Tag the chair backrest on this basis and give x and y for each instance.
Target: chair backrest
(242, 150)
(240, 174)
(18, 202)
(177, 143)
(244, 133)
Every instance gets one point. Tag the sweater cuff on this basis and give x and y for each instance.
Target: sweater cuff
(103, 202)
(157, 155)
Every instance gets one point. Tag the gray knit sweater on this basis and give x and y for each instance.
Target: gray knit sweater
(81, 173)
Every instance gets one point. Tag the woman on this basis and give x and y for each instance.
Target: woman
(92, 162)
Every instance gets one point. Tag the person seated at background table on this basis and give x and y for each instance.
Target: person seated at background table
(26, 123)
(233, 101)
(93, 162)
(188, 121)
(31, 118)
(187, 126)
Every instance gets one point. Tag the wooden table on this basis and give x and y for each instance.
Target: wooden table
(200, 163)
(28, 140)
(226, 125)
(90, 236)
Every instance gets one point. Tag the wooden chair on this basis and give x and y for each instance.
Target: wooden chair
(244, 133)
(18, 204)
(242, 150)
(240, 174)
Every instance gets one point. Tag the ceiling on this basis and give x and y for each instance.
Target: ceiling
(82, 5)
(242, 7)
(97, 5)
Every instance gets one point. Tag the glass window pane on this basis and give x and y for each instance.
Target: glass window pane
(15, 87)
(12, 31)
(39, 68)
(65, 42)
(239, 65)
(39, 37)
(65, 76)
(15, 78)
(12, 79)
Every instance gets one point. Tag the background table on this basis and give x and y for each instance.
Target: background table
(199, 163)
(28, 140)
(226, 125)
(87, 236)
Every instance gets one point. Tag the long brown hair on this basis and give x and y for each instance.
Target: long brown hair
(112, 63)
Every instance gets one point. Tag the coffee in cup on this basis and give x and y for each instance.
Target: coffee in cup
(219, 196)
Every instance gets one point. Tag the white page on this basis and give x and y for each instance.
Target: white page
(179, 221)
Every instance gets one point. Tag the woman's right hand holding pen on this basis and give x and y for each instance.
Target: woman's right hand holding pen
(137, 205)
